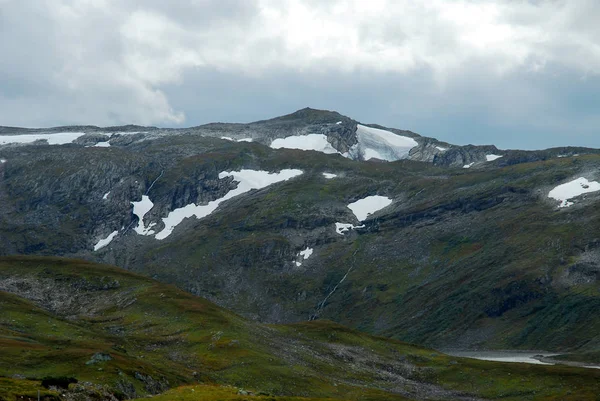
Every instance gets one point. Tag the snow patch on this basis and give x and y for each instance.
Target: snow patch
(316, 142)
(491, 158)
(364, 207)
(329, 176)
(441, 149)
(341, 228)
(140, 209)
(339, 123)
(305, 254)
(573, 189)
(228, 138)
(104, 242)
(380, 144)
(102, 145)
(53, 139)
(105, 197)
(247, 181)
(469, 165)
(2, 161)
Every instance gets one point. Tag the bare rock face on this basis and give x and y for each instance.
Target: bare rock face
(91, 139)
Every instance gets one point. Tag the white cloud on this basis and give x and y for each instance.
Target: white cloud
(106, 61)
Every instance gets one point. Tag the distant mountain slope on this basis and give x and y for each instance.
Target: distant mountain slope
(121, 334)
(462, 257)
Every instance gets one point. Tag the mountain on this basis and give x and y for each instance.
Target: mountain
(408, 244)
(116, 335)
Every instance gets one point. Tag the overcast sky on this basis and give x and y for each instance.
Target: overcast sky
(515, 73)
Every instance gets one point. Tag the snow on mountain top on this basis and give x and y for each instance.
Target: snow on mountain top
(364, 207)
(316, 142)
(53, 139)
(380, 144)
(441, 149)
(573, 189)
(247, 181)
(329, 176)
(491, 158)
(104, 242)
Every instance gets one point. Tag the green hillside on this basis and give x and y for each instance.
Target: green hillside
(119, 333)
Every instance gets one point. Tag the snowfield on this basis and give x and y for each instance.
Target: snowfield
(102, 145)
(364, 207)
(140, 209)
(491, 158)
(374, 143)
(316, 142)
(573, 189)
(329, 176)
(247, 181)
(53, 139)
(104, 242)
(468, 165)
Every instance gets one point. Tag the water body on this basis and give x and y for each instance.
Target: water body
(504, 356)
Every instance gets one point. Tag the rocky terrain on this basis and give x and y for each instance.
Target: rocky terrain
(471, 253)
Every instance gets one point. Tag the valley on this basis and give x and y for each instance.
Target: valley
(319, 247)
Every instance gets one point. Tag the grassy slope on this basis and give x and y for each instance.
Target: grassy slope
(75, 309)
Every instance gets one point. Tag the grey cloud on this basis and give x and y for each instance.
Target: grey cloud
(510, 74)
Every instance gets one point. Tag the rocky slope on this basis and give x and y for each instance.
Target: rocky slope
(463, 257)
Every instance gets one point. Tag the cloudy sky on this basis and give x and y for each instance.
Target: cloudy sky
(516, 73)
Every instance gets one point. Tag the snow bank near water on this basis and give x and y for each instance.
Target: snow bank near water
(247, 181)
(573, 189)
